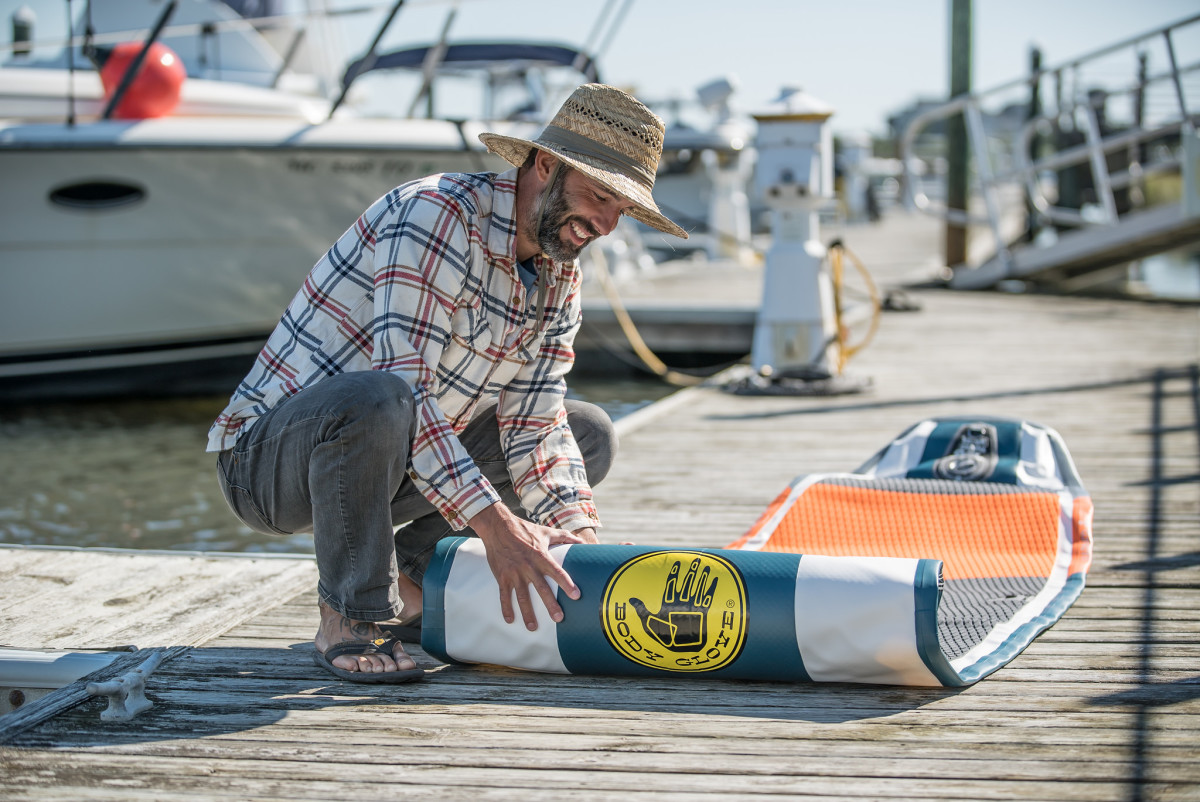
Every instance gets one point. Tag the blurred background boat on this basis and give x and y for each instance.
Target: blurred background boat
(153, 255)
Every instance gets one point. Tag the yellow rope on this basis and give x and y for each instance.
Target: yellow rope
(648, 357)
(837, 273)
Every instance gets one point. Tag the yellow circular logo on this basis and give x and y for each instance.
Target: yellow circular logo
(676, 611)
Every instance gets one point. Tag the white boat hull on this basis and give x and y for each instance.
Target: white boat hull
(130, 244)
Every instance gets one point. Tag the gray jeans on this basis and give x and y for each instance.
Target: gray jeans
(332, 460)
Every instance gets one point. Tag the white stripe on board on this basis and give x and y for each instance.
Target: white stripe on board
(476, 631)
(856, 620)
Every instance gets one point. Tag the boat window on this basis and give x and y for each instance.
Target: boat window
(97, 195)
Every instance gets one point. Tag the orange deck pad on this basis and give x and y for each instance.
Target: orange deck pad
(975, 536)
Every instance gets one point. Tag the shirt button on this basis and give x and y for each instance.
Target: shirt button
(412, 475)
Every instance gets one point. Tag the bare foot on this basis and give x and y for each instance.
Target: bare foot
(336, 628)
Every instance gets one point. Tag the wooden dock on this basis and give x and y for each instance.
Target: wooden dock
(1104, 706)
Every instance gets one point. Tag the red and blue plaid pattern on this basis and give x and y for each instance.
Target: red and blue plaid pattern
(425, 285)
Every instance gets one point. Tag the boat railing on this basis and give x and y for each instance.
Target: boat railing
(1067, 165)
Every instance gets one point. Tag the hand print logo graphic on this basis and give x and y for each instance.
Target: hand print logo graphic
(681, 623)
(676, 611)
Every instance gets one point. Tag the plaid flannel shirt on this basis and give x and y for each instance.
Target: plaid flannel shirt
(425, 285)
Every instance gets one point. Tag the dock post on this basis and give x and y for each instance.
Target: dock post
(796, 320)
(957, 180)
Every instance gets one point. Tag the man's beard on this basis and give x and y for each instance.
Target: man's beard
(555, 215)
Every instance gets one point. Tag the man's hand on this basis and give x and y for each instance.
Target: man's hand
(518, 554)
(587, 534)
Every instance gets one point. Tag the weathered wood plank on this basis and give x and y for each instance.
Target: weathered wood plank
(595, 775)
(873, 724)
(682, 759)
(79, 599)
(764, 706)
(482, 726)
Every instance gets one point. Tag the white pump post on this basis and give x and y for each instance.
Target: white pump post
(796, 321)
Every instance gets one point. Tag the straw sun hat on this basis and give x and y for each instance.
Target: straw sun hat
(608, 136)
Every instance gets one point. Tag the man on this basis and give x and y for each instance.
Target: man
(414, 378)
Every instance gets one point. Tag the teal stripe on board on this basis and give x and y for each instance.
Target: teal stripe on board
(433, 602)
(927, 595)
(769, 650)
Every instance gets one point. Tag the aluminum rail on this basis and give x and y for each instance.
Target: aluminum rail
(1093, 152)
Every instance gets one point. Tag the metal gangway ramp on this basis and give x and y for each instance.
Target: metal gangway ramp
(1101, 173)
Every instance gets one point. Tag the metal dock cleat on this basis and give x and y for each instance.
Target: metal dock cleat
(126, 694)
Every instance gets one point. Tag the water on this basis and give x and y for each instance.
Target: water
(1174, 275)
(134, 473)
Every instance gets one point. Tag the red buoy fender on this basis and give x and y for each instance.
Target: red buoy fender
(155, 90)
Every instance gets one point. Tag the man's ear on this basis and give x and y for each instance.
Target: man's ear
(543, 165)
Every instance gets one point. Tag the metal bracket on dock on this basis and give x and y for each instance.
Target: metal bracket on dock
(127, 693)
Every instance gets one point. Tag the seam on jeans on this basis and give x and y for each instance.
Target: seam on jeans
(341, 484)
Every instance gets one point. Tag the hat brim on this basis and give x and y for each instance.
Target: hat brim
(515, 150)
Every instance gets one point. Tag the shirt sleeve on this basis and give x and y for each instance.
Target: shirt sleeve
(544, 460)
(422, 259)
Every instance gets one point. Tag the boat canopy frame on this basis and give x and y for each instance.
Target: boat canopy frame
(468, 57)
(501, 63)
